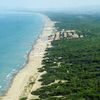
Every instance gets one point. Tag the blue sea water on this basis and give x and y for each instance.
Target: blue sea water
(18, 31)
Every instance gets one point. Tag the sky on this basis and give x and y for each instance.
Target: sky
(47, 4)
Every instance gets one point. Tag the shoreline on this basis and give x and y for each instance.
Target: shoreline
(26, 57)
(31, 66)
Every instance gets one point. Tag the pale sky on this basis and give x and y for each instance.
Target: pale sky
(47, 4)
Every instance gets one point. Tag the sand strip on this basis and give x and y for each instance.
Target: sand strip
(34, 62)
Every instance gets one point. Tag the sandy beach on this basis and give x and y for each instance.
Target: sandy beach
(34, 60)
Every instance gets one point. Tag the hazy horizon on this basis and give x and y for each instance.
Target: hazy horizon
(68, 5)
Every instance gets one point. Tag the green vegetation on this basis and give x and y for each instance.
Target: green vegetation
(87, 24)
(72, 66)
(23, 98)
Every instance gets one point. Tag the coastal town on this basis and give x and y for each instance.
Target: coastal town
(67, 34)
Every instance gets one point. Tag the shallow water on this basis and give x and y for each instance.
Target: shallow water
(18, 31)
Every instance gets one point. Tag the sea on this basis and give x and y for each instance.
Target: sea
(18, 32)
